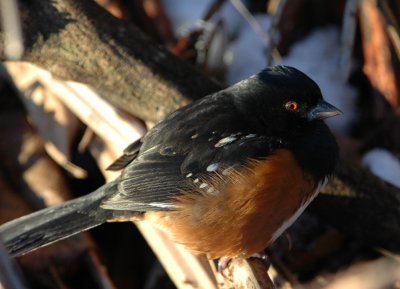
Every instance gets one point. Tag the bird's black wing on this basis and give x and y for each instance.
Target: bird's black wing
(129, 154)
(190, 143)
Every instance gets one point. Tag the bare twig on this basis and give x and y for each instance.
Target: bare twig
(347, 38)
(9, 274)
(212, 9)
(266, 38)
(97, 269)
(276, 12)
(242, 9)
(13, 42)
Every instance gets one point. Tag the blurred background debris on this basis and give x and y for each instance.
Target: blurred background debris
(80, 80)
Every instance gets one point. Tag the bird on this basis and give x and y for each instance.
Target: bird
(225, 175)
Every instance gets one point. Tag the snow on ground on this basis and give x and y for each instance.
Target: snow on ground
(246, 54)
(186, 15)
(383, 164)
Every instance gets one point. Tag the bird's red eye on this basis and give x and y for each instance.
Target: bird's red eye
(291, 106)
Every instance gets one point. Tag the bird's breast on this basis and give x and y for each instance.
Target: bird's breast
(246, 210)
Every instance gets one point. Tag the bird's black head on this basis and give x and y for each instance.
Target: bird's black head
(285, 102)
(281, 99)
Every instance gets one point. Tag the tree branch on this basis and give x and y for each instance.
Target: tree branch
(78, 40)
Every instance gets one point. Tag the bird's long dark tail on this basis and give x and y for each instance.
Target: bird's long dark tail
(55, 223)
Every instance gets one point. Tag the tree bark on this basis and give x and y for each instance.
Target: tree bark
(80, 41)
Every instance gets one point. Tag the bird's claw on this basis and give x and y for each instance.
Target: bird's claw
(223, 264)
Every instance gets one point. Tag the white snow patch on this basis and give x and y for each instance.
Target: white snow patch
(213, 167)
(383, 164)
(246, 55)
(186, 15)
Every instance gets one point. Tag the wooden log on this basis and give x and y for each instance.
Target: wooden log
(363, 206)
(79, 40)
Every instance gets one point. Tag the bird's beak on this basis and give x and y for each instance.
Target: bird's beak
(323, 110)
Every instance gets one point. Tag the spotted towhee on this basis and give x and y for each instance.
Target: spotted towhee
(224, 175)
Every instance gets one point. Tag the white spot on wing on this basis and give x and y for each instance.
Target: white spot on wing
(163, 205)
(286, 224)
(195, 136)
(203, 185)
(250, 135)
(213, 167)
(189, 175)
(195, 180)
(225, 141)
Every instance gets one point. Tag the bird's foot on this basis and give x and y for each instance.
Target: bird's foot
(223, 263)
